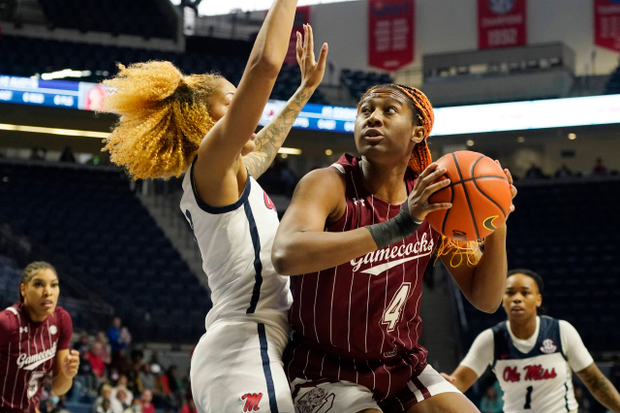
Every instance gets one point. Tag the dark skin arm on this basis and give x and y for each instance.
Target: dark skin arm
(462, 378)
(301, 244)
(600, 387)
(483, 284)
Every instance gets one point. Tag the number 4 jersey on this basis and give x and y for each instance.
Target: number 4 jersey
(353, 320)
(535, 374)
(27, 354)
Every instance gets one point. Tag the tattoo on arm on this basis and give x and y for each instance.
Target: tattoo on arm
(271, 137)
(600, 387)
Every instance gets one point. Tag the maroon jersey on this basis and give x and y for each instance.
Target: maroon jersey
(27, 353)
(360, 320)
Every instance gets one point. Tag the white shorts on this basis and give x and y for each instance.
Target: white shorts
(237, 367)
(345, 397)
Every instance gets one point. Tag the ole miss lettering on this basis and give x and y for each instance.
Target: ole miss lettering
(532, 373)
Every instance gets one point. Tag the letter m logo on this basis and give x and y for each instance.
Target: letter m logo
(251, 401)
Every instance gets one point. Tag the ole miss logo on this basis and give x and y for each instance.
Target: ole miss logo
(268, 202)
(251, 401)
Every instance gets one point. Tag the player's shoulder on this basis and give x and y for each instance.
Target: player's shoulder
(326, 178)
(9, 320)
(61, 314)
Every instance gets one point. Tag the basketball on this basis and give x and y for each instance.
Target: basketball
(480, 195)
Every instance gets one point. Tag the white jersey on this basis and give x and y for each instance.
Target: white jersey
(534, 374)
(235, 243)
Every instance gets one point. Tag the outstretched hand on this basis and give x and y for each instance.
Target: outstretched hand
(424, 187)
(312, 72)
(451, 379)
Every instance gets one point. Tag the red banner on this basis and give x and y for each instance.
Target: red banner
(607, 24)
(390, 33)
(501, 23)
(302, 16)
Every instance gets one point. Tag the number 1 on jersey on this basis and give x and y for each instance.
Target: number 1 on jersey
(395, 309)
(528, 398)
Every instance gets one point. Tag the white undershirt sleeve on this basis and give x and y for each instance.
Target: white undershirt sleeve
(575, 351)
(480, 354)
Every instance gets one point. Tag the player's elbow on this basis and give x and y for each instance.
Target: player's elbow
(487, 305)
(265, 65)
(282, 260)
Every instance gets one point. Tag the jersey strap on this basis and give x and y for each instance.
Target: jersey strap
(548, 341)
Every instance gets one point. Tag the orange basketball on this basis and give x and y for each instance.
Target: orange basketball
(480, 195)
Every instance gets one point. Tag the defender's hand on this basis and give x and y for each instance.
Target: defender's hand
(312, 72)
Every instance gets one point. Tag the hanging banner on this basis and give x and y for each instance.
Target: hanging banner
(390, 33)
(607, 24)
(501, 23)
(302, 16)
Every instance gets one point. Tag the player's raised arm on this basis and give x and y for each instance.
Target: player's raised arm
(222, 146)
(271, 137)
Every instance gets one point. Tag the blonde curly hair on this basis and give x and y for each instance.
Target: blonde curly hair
(164, 116)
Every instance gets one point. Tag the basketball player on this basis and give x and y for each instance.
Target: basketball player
(165, 116)
(356, 308)
(532, 356)
(34, 340)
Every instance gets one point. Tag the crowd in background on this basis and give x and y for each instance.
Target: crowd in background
(118, 379)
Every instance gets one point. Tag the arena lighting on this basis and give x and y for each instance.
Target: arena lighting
(572, 136)
(457, 120)
(470, 143)
(61, 74)
(54, 131)
(289, 151)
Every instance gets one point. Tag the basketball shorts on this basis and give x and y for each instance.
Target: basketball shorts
(324, 396)
(237, 367)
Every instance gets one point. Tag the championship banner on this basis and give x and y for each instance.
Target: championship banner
(501, 23)
(390, 33)
(302, 16)
(607, 24)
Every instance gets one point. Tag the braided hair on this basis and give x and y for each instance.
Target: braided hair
(420, 159)
(30, 271)
(423, 115)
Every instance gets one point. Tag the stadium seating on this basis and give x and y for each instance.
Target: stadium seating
(358, 82)
(100, 232)
(574, 250)
(136, 17)
(10, 274)
(613, 85)
(23, 56)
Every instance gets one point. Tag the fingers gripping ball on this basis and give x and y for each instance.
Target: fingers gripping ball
(479, 193)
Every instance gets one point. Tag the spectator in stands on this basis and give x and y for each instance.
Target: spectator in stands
(121, 385)
(534, 172)
(599, 169)
(189, 406)
(105, 347)
(136, 406)
(563, 172)
(105, 403)
(67, 155)
(173, 384)
(118, 346)
(490, 402)
(126, 336)
(82, 344)
(146, 378)
(147, 406)
(54, 405)
(121, 396)
(96, 360)
(38, 154)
